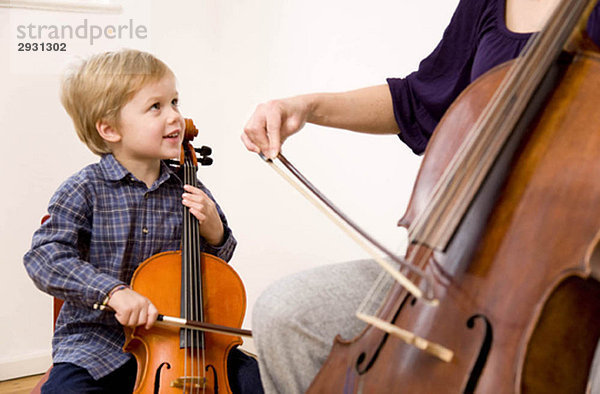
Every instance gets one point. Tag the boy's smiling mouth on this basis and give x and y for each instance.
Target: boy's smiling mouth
(174, 134)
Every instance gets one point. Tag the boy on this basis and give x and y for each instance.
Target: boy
(112, 215)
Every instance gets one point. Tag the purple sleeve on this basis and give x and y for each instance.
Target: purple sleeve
(422, 97)
(593, 26)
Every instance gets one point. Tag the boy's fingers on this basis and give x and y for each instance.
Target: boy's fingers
(142, 317)
(152, 316)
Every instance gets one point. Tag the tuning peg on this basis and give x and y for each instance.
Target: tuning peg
(204, 150)
(205, 161)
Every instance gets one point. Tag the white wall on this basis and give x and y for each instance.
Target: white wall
(228, 55)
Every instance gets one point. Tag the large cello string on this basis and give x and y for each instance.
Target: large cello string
(470, 165)
(523, 77)
(452, 172)
(488, 145)
(480, 149)
(321, 202)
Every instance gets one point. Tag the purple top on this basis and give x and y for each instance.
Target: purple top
(475, 41)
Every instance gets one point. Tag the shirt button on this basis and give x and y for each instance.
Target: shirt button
(132, 179)
(146, 196)
(145, 230)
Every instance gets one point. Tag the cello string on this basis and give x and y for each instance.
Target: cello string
(490, 146)
(419, 227)
(532, 49)
(490, 141)
(493, 144)
(441, 193)
(370, 304)
(198, 290)
(423, 224)
(189, 294)
(197, 294)
(540, 55)
(187, 348)
(184, 282)
(457, 161)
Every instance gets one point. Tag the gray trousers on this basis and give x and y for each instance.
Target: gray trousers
(296, 319)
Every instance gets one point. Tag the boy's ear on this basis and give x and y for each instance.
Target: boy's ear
(107, 131)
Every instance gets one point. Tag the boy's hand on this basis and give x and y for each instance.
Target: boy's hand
(205, 210)
(133, 309)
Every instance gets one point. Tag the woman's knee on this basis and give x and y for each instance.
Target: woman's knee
(272, 310)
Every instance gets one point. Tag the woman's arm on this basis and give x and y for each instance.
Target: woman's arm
(367, 110)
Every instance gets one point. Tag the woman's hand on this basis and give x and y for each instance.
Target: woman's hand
(272, 122)
(205, 210)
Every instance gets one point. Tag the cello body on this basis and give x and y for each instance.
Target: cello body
(160, 359)
(519, 303)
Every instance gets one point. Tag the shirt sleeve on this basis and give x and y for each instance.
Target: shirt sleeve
(420, 99)
(225, 250)
(593, 25)
(57, 261)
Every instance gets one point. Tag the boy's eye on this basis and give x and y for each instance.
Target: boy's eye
(175, 102)
(155, 106)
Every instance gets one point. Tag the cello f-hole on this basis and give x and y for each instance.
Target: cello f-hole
(484, 352)
(157, 376)
(362, 362)
(216, 384)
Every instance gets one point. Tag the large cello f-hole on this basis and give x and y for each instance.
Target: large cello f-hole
(484, 351)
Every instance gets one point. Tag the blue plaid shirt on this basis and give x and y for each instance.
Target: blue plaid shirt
(103, 224)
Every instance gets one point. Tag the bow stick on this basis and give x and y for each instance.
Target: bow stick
(190, 324)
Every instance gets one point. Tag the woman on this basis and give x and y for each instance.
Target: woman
(292, 336)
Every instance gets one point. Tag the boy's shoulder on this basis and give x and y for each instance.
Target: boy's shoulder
(84, 182)
(107, 169)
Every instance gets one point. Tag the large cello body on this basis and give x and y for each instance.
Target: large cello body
(517, 280)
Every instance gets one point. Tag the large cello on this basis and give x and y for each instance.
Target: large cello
(504, 225)
(195, 286)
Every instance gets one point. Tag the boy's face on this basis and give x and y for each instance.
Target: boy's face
(150, 126)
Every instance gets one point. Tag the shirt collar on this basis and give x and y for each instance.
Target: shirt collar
(114, 171)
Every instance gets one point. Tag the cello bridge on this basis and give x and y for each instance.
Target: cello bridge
(189, 382)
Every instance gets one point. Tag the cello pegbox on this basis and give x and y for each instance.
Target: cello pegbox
(190, 130)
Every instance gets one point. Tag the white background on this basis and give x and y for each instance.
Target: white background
(228, 56)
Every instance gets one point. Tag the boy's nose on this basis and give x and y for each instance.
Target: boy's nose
(175, 117)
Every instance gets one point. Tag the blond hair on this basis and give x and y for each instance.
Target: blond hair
(100, 86)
